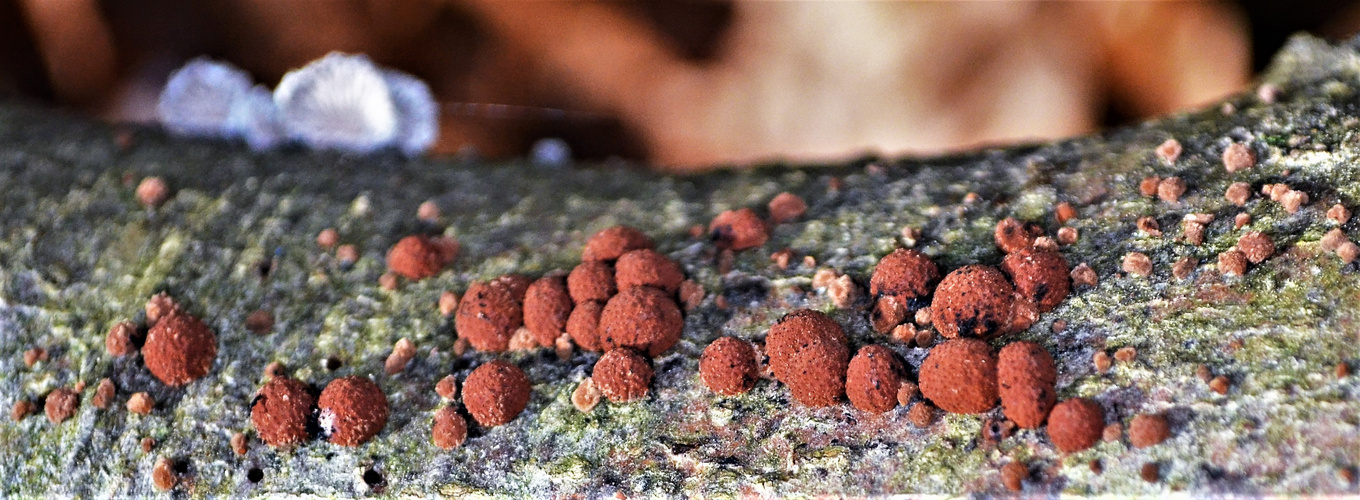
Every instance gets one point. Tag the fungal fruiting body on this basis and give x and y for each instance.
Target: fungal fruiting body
(1148, 430)
(738, 229)
(449, 429)
(591, 280)
(583, 325)
(1076, 424)
(489, 314)
(642, 318)
(352, 410)
(622, 375)
(904, 274)
(808, 353)
(612, 242)
(281, 410)
(547, 306)
(340, 101)
(1012, 235)
(728, 366)
(973, 300)
(207, 98)
(1025, 381)
(1042, 276)
(959, 376)
(647, 267)
(179, 348)
(416, 257)
(496, 392)
(873, 379)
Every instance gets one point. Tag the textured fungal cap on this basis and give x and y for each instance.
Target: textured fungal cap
(488, 315)
(808, 353)
(547, 305)
(873, 379)
(591, 280)
(622, 375)
(647, 267)
(1232, 262)
(450, 429)
(738, 229)
(1025, 378)
(496, 392)
(1238, 156)
(206, 98)
(1148, 430)
(281, 410)
(417, 112)
(959, 376)
(353, 410)
(612, 242)
(584, 325)
(1076, 424)
(1040, 275)
(728, 366)
(642, 318)
(1256, 246)
(973, 300)
(61, 404)
(786, 207)
(339, 101)
(160, 306)
(415, 257)
(121, 339)
(179, 349)
(152, 192)
(1169, 151)
(1012, 235)
(904, 274)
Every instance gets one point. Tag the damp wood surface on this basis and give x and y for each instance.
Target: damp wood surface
(79, 254)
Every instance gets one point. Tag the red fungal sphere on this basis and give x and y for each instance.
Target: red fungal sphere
(739, 229)
(517, 284)
(642, 318)
(547, 305)
(281, 410)
(728, 366)
(488, 316)
(415, 257)
(352, 410)
(1256, 246)
(591, 280)
(496, 392)
(904, 274)
(959, 376)
(1148, 430)
(1040, 275)
(1012, 235)
(648, 267)
(612, 242)
(622, 375)
(808, 353)
(450, 429)
(1076, 424)
(584, 325)
(873, 379)
(179, 349)
(1025, 378)
(973, 300)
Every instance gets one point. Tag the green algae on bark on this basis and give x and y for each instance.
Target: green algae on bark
(78, 253)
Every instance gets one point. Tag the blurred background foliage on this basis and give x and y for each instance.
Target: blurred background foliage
(688, 85)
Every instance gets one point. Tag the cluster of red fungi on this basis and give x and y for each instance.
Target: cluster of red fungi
(623, 300)
(808, 351)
